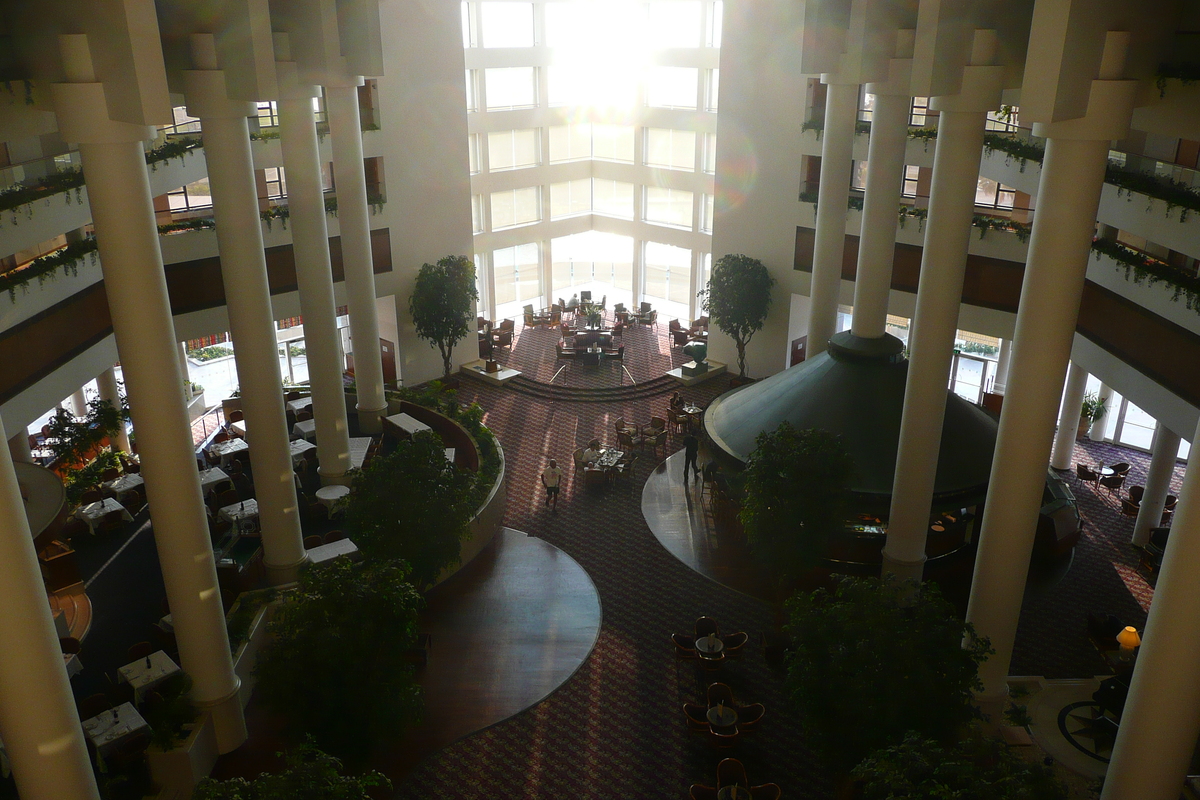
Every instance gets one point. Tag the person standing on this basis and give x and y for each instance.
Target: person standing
(551, 479)
(691, 449)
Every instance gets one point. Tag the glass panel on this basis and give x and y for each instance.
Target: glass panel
(570, 142)
(510, 87)
(473, 152)
(668, 278)
(1138, 427)
(706, 218)
(710, 153)
(468, 39)
(670, 148)
(672, 87)
(716, 19)
(968, 378)
(674, 23)
(570, 198)
(507, 24)
(472, 90)
(612, 142)
(513, 207)
(612, 198)
(669, 206)
(714, 86)
(599, 262)
(512, 149)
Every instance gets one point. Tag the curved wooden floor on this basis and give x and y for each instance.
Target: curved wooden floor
(507, 630)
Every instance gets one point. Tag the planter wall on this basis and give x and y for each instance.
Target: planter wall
(488, 521)
(178, 771)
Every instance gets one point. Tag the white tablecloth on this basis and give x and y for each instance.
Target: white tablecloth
(228, 449)
(299, 447)
(94, 512)
(327, 552)
(299, 405)
(331, 494)
(238, 427)
(143, 678)
(236, 512)
(107, 730)
(408, 423)
(124, 484)
(358, 450)
(211, 477)
(305, 429)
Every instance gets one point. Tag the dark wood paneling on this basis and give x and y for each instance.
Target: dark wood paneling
(1156, 347)
(33, 349)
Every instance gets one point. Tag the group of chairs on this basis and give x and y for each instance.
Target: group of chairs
(1111, 482)
(731, 772)
(501, 335)
(638, 437)
(720, 695)
(732, 643)
(598, 478)
(1130, 506)
(645, 315)
(316, 541)
(681, 336)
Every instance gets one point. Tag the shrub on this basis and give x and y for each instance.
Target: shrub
(310, 775)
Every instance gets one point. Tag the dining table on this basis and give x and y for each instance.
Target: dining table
(609, 458)
(146, 673)
(236, 512)
(709, 646)
(92, 513)
(298, 447)
(407, 423)
(109, 728)
(329, 496)
(211, 477)
(123, 484)
(359, 445)
(734, 792)
(238, 427)
(721, 716)
(228, 449)
(299, 405)
(304, 429)
(332, 550)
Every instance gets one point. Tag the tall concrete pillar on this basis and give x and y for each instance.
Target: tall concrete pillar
(39, 724)
(79, 406)
(837, 150)
(107, 383)
(1000, 384)
(931, 341)
(310, 244)
(1059, 250)
(18, 447)
(1163, 452)
(123, 214)
(345, 128)
(885, 184)
(248, 301)
(1068, 419)
(1162, 713)
(1096, 432)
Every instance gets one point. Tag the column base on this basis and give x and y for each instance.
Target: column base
(229, 723)
(280, 574)
(370, 420)
(903, 570)
(329, 478)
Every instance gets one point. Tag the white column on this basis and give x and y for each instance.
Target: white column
(248, 301)
(123, 214)
(931, 337)
(79, 405)
(107, 383)
(310, 246)
(1000, 384)
(1162, 713)
(837, 146)
(1163, 453)
(877, 241)
(18, 447)
(185, 374)
(345, 128)
(1096, 432)
(1068, 418)
(38, 721)
(1068, 196)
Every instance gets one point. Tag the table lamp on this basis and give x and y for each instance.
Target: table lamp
(1128, 639)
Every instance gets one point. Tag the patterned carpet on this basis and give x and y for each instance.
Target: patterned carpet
(616, 729)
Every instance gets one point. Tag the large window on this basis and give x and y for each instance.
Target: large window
(669, 278)
(674, 23)
(510, 87)
(612, 198)
(513, 207)
(507, 24)
(672, 149)
(570, 198)
(990, 194)
(672, 87)
(571, 142)
(669, 207)
(513, 149)
(919, 112)
(276, 182)
(612, 142)
(706, 214)
(712, 90)
(515, 271)
(599, 262)
(710, 153)
(191, 197)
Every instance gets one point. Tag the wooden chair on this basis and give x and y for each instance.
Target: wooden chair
(704, 626)
(734, 642)
(656, 439)
(92, 705)
(303, 416)
(236, 416)
(594, 478)
(629, 442)
(503, 339)
(228, 498)
(90, 496)
(1136, 492)
(69, 645)
(684, 646)
(290, 396)
(313, 541)
(699, 791)
(766, 791)
(139, 650)
(730, 771)
(111, 523)
(696, 716)
(134, 501)
(220, 436)
(725, 737)
(133, 467)
(750, 715)
(1086, 474)
(1129, 508)
(580, 464)
(720, 694)
(1121, 467)
(110, 474)
(1113, 482)
(73, 528)
(333, 536)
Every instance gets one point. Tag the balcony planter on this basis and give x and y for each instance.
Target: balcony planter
(196, 407)
(177, 771)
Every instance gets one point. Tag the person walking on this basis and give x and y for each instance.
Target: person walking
(551, 479)
(691, 449)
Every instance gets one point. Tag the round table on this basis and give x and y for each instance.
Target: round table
(329, 495)
(707, 650)
(1105, 472)
(722, 716)
(734, 792)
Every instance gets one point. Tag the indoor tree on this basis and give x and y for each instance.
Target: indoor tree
(413, 504)
(873, 660)
(310, 774)
(442, 304)
(737, 299)
(337, 667)
(795, 495)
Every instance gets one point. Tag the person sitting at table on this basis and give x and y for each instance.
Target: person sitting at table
(592, 453)
(676, 402)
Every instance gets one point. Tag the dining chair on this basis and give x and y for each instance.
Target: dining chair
(1113, 482)
(221, 436)
(684, 646)
(1136, 492)
(1169, 505)
(1129, 508)
(580, 464)
(697, 716)
(699, 791)
(730, 771)
(304, 416)
(720, 694)
(628, 441)
(90, 496)
(133, 468)
(1086, 474)
(313, 541)
(290, 396)
(704, 626)
(333, 536)
(92, 705)
(137, 651)
(69, 645)
(750, 715)
(236, 416)
(725, 737)
(1121, 467)
(656, 439)
(111, 523)
(594, 478)
(766, 791)
(110, 474)
(734, 642)
(227, 498)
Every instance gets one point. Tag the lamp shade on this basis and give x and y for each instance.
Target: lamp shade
(1129, 637)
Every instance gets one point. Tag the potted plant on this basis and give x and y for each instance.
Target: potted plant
(1093, 410)
(737, 299)
(442, 304)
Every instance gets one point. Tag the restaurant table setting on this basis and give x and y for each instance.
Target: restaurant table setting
(332, 550)
(359, 445)
(709, 646)
(304, 429)
(298, 447)
(407, 423)
(330, 495)
(92, 513)
(236, 512)
(123, 484)
(146, 673)
(299, 405)
(109, 728)
(211, 477)
(609, 458)
(228, 449)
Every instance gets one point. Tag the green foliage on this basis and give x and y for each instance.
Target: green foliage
(25, 193)
(336, 667)
(978, 348)
(194, 224)
(239, 619)
(1184, 72)
(1094, 407)
(310, 775)
(872, 661)
(210, 353)
(91, 476)
(1174, 193)
(412, 504)
(283, 212)
(737, 299)
(77, 442)
(1023, 150)
(66, 258)
(972, 768)
(172, 148)
(442, 304)
(168, 718)
(796, 488)
(1141, 267)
